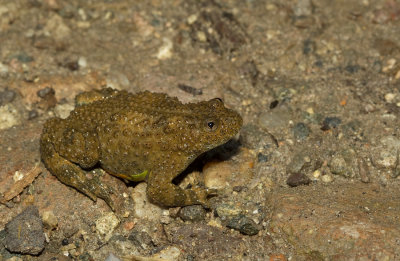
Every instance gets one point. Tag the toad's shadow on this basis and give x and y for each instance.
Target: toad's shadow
(220, 153)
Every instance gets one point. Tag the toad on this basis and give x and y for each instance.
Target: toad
(144, 136)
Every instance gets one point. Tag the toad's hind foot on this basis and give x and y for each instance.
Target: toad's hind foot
(72, 175)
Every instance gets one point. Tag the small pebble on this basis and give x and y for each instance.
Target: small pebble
(310, 110)
(72, 65)
(239, 188)
(317, 173)
(330, 123)
(32, 114)
(68, 247)
(297, 179)
(262, 157)
(141, 239)
(144, 209)
(129, 225)
(327, 178)
(23, 58)
(63, 110)
(303, 8)
(46, 92)
(226, 211)
(193, 213)
(273, 104)
(338, 166)
(385, 153)
(191, 19)
(7, 96)
(24, 233)
(117, 80)
(300, 131)
(106, 224)
(387, 159)
(170, 253)
(82, 62)
(389, 97)
(244, 225)
(369, 108)
(9, 116)
(352, 68)
(309, 47)
(3, 69)
(165, 51)
(301, 162)
(65, 242)
(49, 220)
(112, 257)
(190, 89)
(201, 36)
(363, 170)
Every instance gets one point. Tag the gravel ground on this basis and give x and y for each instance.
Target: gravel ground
(313, 175)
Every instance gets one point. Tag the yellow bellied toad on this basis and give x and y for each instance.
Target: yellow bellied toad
(144, 136)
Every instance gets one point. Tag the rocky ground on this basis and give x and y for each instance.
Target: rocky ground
(313, 175)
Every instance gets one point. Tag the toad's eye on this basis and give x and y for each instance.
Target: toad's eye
(210, 124)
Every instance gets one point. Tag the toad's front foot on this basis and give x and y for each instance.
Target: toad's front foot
(170, 195)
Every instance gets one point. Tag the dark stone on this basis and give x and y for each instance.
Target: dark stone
(192, 213)
(24, 233)
(297, 179)
(72, 65)
(190, 258)
(46, 92)
(65, 242)
(141, 239)
(85, 257)
(190, 89)
(7, 96)
(32, 114)
(352, 68)
(273, 104)
(244, 225)
(319, 64)
(330, 123)
(309, 47)
(301, 131)
(262, 157)
(23, 57)
(239, 188)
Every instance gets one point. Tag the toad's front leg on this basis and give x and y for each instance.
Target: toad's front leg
(162, 191)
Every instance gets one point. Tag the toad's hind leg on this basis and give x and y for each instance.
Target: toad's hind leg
(71, 174)
(162, 191)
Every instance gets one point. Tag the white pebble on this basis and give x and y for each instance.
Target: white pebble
(389, 97)
(82, 62)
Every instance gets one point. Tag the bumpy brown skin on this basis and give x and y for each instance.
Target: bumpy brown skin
(127, 134)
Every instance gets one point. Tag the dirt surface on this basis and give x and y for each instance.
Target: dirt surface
(313, 175)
